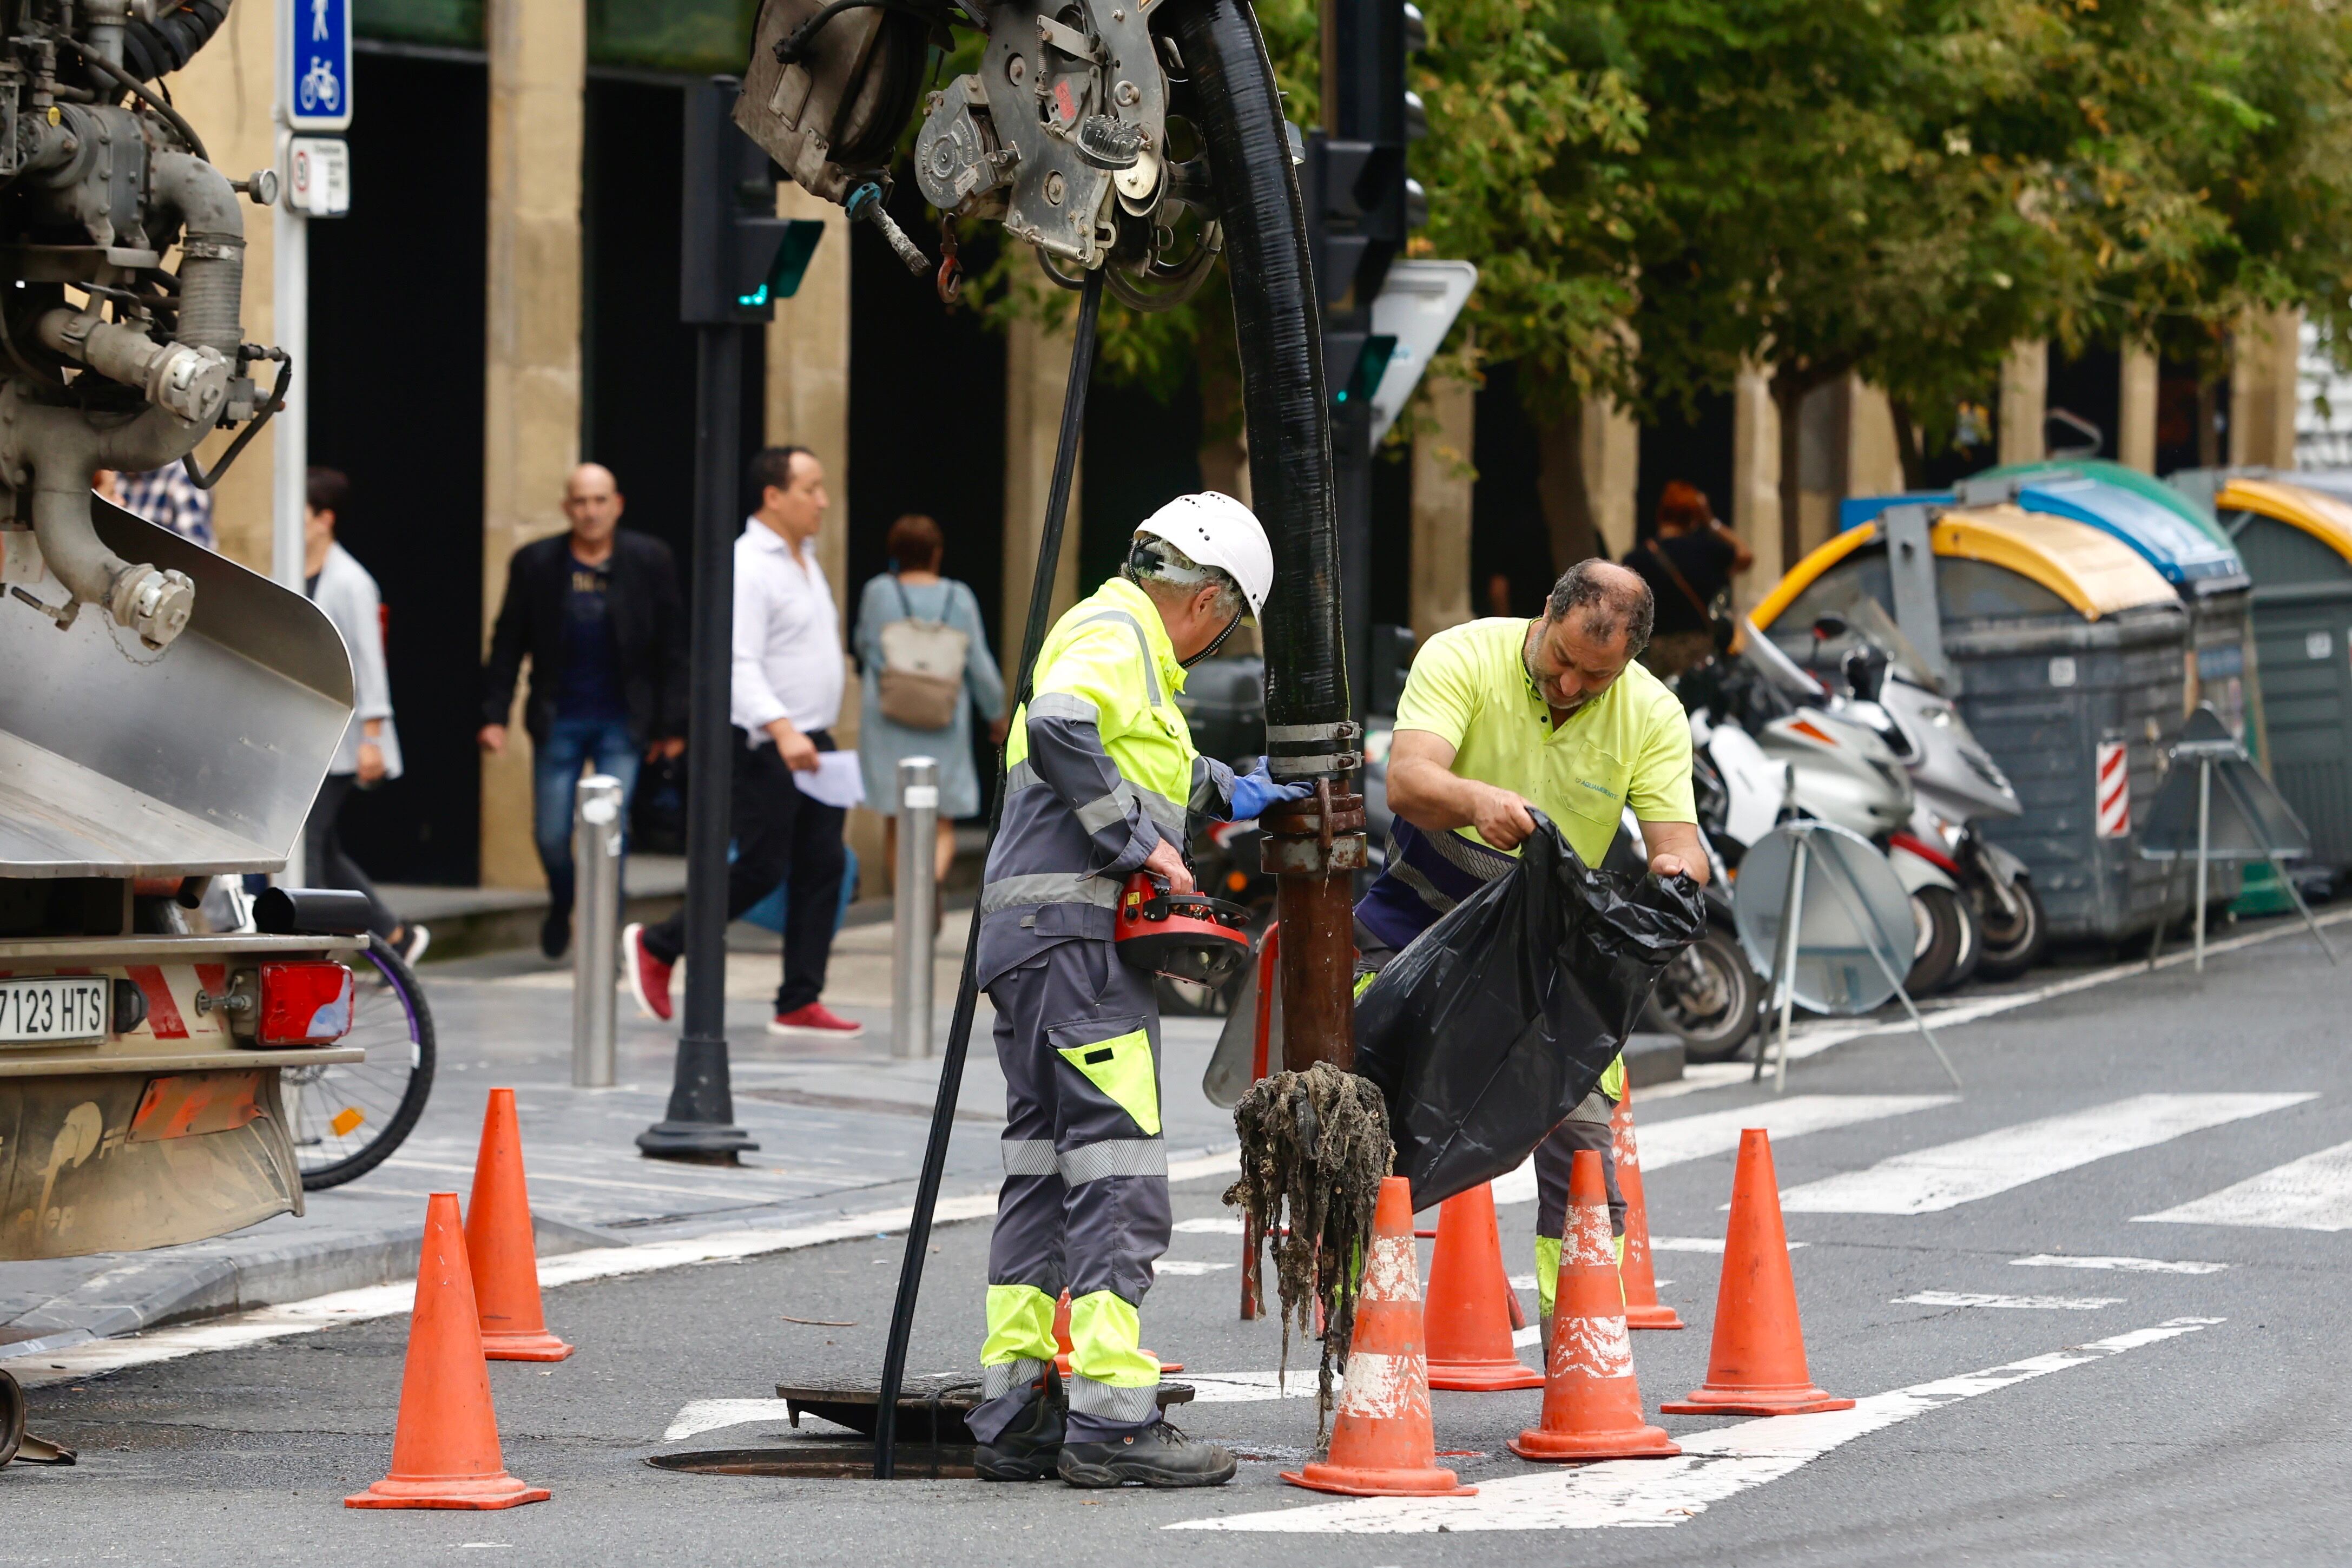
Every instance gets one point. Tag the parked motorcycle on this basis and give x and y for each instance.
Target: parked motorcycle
(1957, 783)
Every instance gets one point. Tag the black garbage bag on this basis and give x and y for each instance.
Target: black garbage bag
(1487, 1030)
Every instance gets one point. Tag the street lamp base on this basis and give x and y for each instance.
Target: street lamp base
(694, 1142)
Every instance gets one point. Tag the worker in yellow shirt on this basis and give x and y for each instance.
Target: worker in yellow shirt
(1501, 715)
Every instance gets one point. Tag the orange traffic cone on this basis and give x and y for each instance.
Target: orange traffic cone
(1757, 1364)
(1591, 1405)
(1467, 1319)
(1383, 1443)
(500, 1248)
(1062, 1339)
(1642, 1307)
(445, 1450)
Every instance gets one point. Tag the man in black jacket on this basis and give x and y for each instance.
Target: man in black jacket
(598, 612)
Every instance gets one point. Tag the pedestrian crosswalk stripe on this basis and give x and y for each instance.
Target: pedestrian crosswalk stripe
(1652, 1494)
(2123, 1265)
(1949, 1175)
(1698, 1243)
(2314, 1193)
(1687, 1138)
(2012, 1303)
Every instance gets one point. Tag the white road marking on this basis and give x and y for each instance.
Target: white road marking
(2013, 1303)
(1699, 1244)
(709, 1414)
(1531, 1335)
(265, 1323)
(1949, 1175)
(2123, 1265)
(2314, 1193)
(1220, 1225)
(1714, 1466)
(1687, 1138)
(1247, 1387)
(1180, 1268)
(1523, 1281)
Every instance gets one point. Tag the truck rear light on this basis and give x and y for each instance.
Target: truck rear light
(305, 1003)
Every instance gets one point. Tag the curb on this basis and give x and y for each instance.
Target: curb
(173, 1290)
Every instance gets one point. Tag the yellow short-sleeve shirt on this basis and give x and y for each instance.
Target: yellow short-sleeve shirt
(1631, 745)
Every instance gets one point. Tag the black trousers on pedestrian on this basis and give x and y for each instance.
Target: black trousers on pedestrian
(326, 864)
(781, 836)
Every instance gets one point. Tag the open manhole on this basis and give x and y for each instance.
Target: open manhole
(933, 1443)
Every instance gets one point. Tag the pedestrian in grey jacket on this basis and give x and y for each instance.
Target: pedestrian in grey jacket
(914, 590)
(369, 753)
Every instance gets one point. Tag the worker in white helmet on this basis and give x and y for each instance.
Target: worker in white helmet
(1102, 781)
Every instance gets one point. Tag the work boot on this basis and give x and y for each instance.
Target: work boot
(1028, 1449)
(1158, 1457)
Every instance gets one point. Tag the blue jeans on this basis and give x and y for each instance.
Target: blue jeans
(602, 744)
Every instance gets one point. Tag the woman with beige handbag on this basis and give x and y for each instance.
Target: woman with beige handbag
(925, 654)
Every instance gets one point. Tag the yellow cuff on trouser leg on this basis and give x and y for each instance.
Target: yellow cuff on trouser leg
(1020, 1325)
(1107, 1343)
(1547, 1270)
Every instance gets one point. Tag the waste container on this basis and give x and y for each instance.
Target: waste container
(2162, 491)
(2067, 650)
(2203, 568)
(1223, 704)
(2296, 542)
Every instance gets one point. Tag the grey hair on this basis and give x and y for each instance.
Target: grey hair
(1187, 577)
(1613, 599)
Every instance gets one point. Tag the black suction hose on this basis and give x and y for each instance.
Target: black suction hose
(935, 1153)
(1238, 110)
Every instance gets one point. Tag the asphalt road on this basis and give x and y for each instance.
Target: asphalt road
(2200, 1425)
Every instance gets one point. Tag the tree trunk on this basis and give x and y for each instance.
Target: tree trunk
(1788, 395)
(1907, 446)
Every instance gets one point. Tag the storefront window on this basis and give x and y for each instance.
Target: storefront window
(457, 23)
(699, 36)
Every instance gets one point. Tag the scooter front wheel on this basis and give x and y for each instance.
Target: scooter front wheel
(1708, 996)
(2014, 935)
(1946, 936)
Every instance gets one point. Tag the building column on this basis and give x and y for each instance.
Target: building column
(2265, 383)
(1444, 444)
(1611, 443)
(1873, 456)
(530, 382)
(1756, 483)
(226, 93)
(1036, 374)
(2135, 407)
(2024, 401)
(808, 374)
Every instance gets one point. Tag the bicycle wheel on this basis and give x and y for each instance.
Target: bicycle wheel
(348, 1115)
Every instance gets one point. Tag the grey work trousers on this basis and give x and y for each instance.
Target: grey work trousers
(1085, 1201)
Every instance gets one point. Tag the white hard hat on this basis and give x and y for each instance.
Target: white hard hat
(1217, 530)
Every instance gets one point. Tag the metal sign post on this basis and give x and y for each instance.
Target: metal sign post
(595, 912)
(915, 908)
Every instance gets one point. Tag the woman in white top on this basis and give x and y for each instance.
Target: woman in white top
(368, 753)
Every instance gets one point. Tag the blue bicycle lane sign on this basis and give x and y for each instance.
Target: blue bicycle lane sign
(318, 91)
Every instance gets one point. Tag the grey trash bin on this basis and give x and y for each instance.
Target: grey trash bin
(2068, 650)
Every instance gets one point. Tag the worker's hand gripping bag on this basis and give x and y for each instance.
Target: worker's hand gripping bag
(1487, 1030)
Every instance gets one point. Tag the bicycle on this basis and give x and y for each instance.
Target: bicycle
(347, 1117)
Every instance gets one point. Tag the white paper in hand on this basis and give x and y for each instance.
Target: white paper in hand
(836, 780)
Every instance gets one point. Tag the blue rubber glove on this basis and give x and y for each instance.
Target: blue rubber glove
(1253, 792)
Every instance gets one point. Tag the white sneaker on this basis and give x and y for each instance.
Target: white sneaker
(419, 939)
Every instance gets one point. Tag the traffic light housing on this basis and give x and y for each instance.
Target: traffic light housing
(736, 258)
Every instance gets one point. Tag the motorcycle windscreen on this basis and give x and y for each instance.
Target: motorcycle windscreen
(117, 760)
(1487, 1032)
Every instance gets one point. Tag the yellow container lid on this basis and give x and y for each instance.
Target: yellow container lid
(2095, 572)
(2322, 516)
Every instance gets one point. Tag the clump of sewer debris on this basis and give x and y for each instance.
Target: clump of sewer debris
(1315, 1148)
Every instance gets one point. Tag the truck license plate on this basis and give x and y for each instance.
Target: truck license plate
(55, 1008)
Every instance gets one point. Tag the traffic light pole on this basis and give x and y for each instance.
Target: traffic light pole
(699, 1125)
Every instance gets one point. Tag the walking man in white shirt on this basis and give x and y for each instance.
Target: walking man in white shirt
(785, 696)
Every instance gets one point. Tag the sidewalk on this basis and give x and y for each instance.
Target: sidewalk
(841, 1130)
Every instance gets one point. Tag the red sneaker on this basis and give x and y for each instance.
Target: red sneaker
(648, 976)
(815, 1022)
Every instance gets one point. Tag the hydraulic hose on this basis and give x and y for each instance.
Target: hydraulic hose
(1237, 110)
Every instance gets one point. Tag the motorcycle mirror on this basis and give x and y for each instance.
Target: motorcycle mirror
(1829, 626)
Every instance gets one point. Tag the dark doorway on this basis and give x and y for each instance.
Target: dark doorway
(2192, 421)
(1140, 454)
(1510, 547)
(637, 360)
(396, 363)
(1692, 445)
(2090, 387)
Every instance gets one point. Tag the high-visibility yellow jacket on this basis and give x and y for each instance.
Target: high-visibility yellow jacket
(1100, 770)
